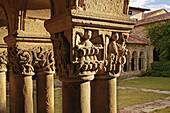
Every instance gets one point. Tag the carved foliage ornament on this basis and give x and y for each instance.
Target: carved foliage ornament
(26, 61)
(3, 61)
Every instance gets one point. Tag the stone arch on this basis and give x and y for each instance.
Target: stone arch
(127, 64)
(134, 61)
(6, 9)
(142, 61)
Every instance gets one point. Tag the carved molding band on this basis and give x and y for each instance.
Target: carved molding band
(26, 62)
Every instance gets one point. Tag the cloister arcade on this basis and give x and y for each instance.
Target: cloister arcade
(82, 41)
(137, 61)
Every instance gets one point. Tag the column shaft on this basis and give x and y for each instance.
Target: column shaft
(23, 94)
(2, 92)
(104, 94)
(76, 97)
(12, 92)
(45, 93)
(137, 62)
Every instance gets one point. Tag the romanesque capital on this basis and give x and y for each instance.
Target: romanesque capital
(82, 52)
(3, 61)
(43, 60)
(89, 37)
(21, 61)
(114, 53)
(29, 61)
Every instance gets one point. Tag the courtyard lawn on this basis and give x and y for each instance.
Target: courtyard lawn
(157, 83)
(128, 97)
(165, 110)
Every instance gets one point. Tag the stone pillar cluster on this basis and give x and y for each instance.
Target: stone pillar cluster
(26, 62)
(89, 51)
(88, 39)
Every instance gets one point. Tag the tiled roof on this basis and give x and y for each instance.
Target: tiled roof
(161, 17)
(153, 12)
(133, 40)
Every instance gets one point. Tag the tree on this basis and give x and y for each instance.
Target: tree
(159, 33)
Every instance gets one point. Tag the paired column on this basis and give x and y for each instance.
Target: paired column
(3, 70)
(44, 68)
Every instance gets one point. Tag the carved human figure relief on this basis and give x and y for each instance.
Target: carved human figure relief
(112, 52)
(122, 52)
(86, 62)
(62, 54)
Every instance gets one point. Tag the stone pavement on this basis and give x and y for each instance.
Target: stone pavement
(147, 107)
(147, 90)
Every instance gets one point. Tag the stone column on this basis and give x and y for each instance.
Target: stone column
(104, 95)
(128, 61)
(137, 63)
(76, 96)
(76, 72)
(3, 69)
(11, 91)
(130, 64)
(104, 91)
(22, 71)
(44, 68)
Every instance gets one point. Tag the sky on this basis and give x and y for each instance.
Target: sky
(151, 4)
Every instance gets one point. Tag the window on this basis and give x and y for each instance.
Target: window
(130, 12)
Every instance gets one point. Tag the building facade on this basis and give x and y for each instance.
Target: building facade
(141, 52)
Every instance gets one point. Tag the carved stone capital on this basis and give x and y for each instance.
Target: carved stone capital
(114, 53)
(29, 61)
(43, 60)
(21, 61)
(3, 61)
(81, 53)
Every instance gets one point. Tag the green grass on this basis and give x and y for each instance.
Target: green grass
(125, 98)
(165, 110)
(157, 83)
(132, 97)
